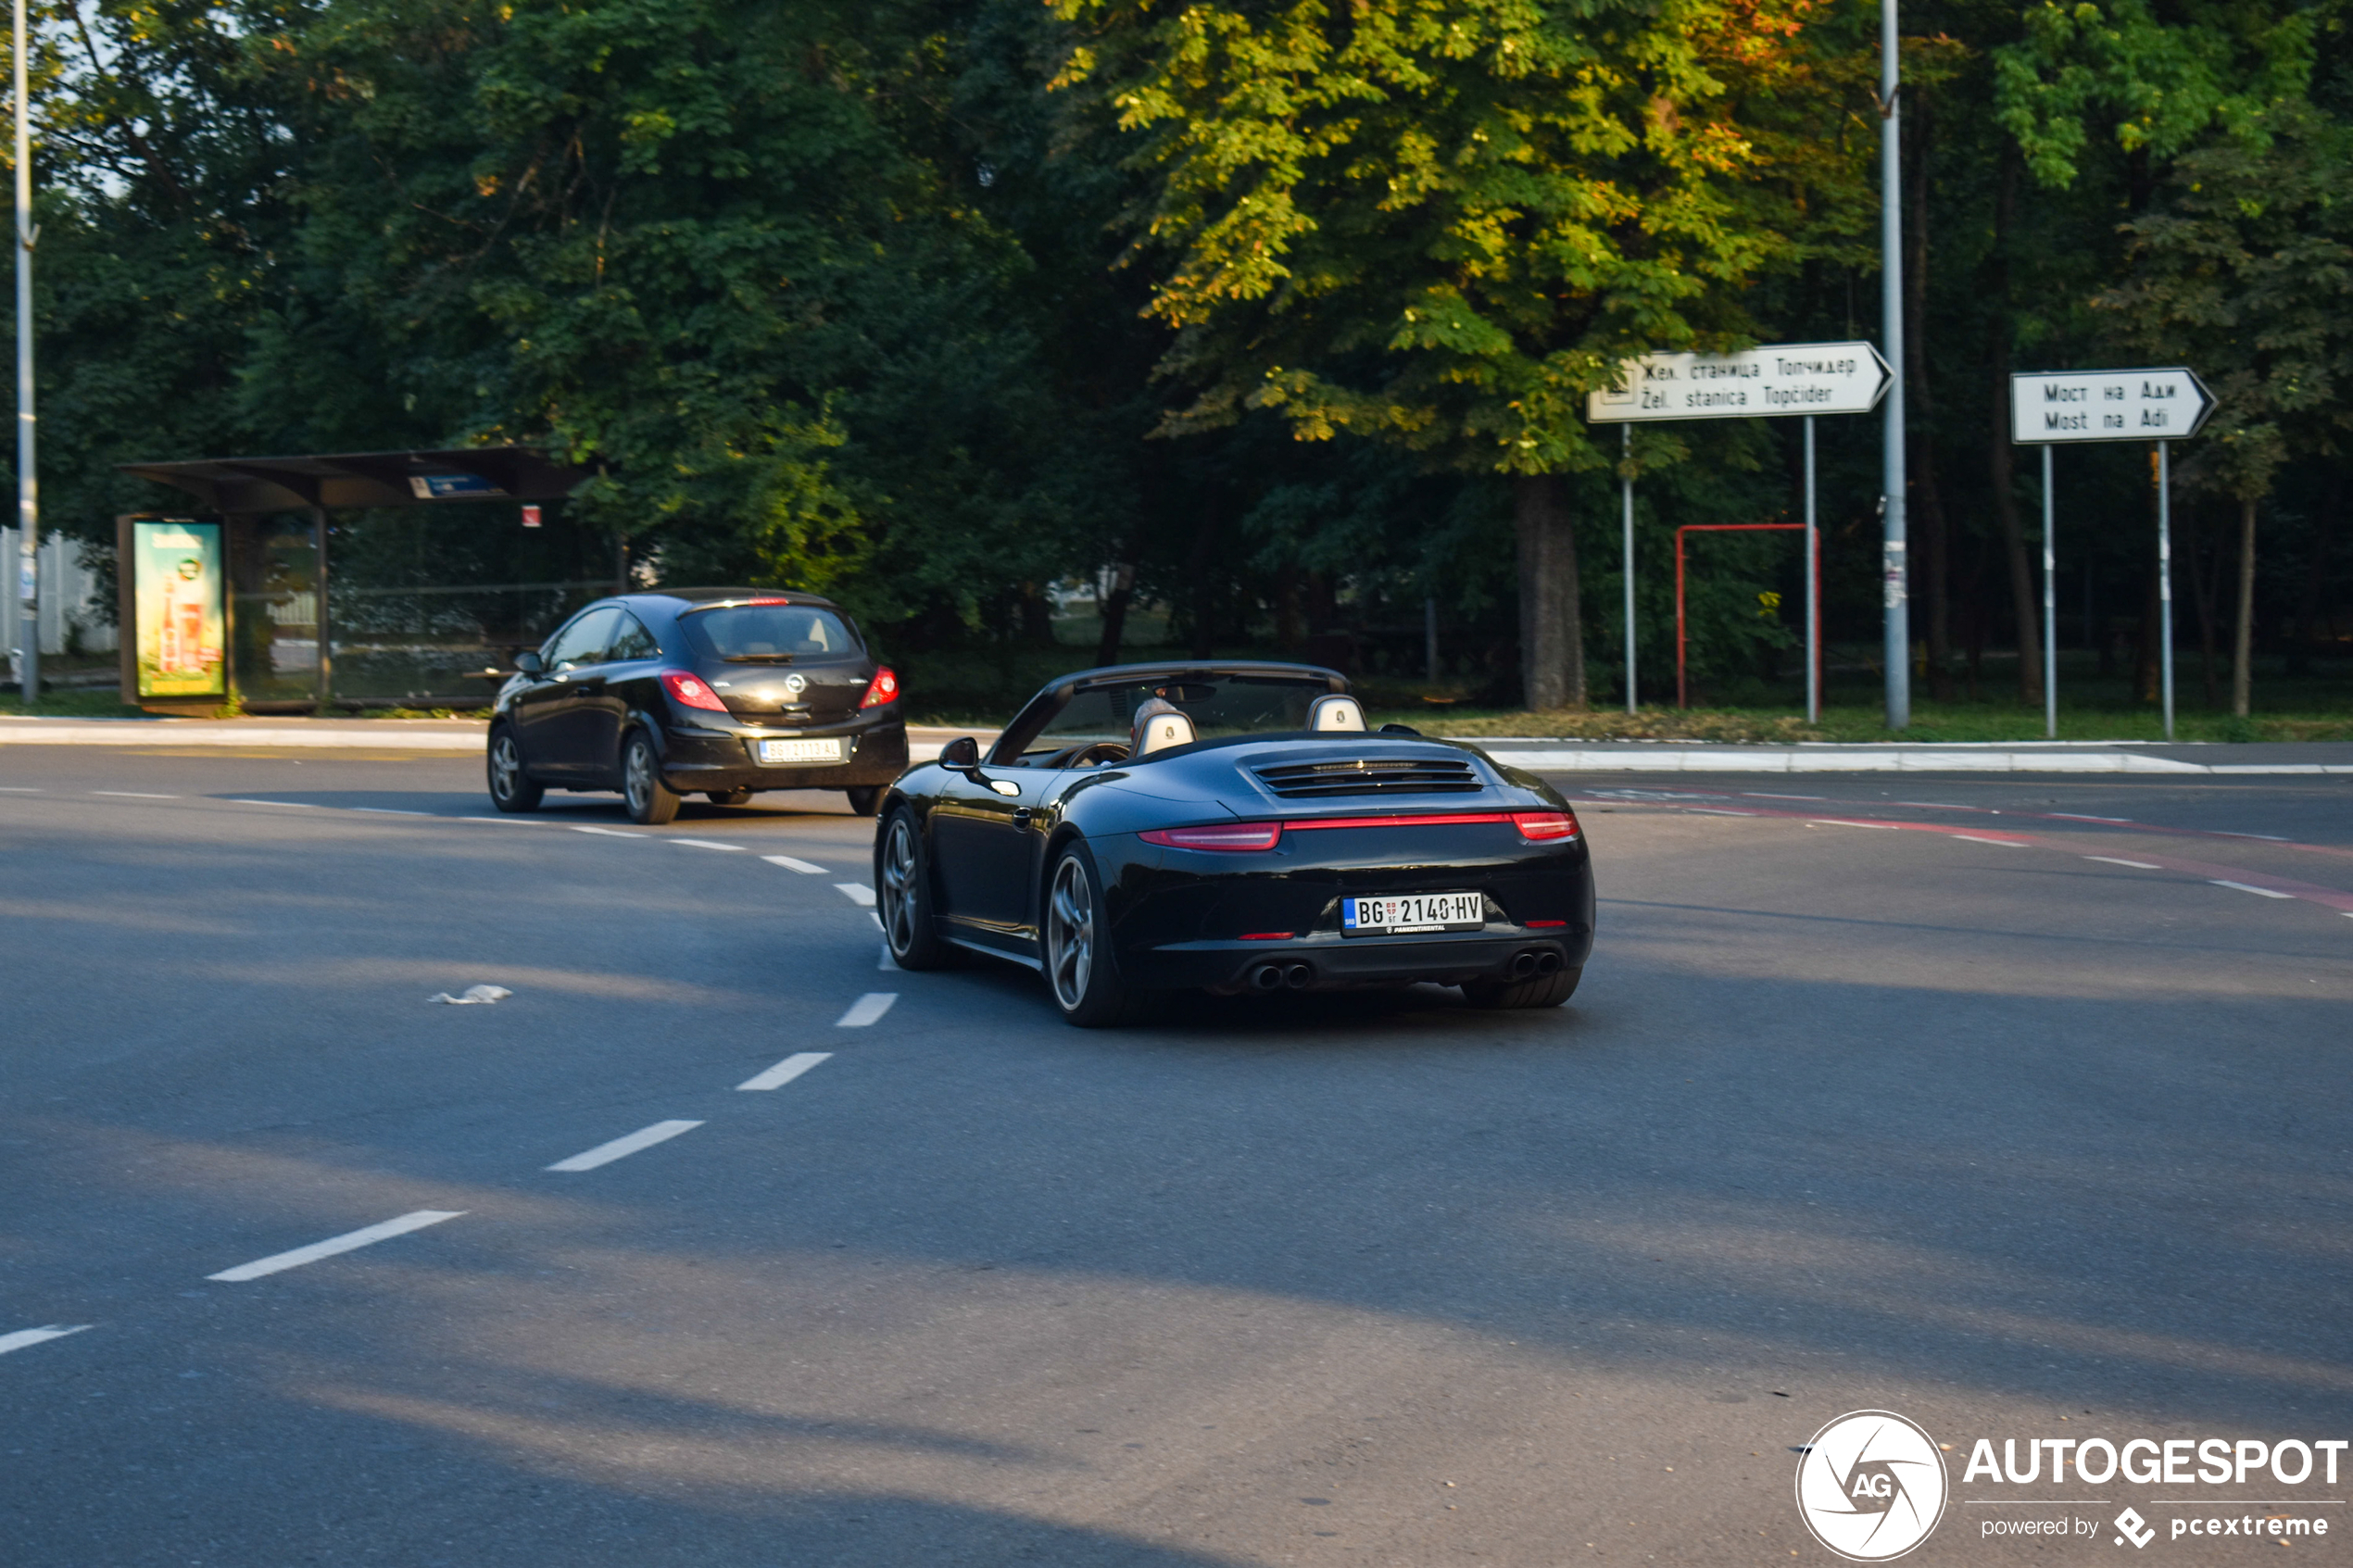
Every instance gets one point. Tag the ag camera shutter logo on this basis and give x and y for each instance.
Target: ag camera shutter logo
(1871, 1486)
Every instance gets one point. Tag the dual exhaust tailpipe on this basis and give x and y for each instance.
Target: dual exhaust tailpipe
(1529, 962)
(1269, 977)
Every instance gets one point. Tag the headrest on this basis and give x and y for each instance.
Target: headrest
(1160, 724)
(1335, 712)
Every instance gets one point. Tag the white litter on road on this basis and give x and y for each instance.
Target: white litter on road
(2248, 887)
(803, 867)
(606, 1153)
(786, 1070)
(26, 1338)
(708, 844)
(2136, 865)
(475, 996)
(866, 1009)
(350, 1241)
(857, 892)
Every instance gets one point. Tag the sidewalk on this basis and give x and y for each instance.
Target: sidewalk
(466, 735)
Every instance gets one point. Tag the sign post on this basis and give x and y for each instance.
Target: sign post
(2059, 408)
(1774, 382)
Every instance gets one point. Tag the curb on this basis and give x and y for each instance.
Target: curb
(1894, 759)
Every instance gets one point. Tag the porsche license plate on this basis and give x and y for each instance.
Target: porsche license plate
(771, 752)
(1411, 912)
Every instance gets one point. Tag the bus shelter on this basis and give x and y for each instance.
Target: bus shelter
(241, 601)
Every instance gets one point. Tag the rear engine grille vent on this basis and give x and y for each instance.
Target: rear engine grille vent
(1401, 775)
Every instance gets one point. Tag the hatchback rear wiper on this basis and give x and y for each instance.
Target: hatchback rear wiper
(757, 657)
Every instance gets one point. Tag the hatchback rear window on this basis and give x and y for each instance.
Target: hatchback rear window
(769, 633)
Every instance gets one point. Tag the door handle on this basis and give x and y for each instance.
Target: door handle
(1022, 815)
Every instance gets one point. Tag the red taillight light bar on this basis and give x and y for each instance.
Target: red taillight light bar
(1535, 826)
(883, 688)
(690, 691)
(1224, 835)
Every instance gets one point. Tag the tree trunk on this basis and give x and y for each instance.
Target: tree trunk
(1938, 556)
(2000, 455)
(2243, 648)
(1287, 635)
(1552, 633)
(1115, 613)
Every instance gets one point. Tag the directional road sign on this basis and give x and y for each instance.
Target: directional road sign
(2047, 407)
(1774, 382)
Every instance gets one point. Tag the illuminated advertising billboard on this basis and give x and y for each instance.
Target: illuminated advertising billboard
(178, 581)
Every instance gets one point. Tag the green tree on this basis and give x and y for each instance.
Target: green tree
(1440, 223)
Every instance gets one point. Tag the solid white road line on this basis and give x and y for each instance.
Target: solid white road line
(866, 1009)
(2004, 843)
(505, 821)
(786, 1070)
(606, 1153)
(857, 892)
(24, 1338)
(708, 844)
(2112, 860)
(603, 833)
(349, 1242)
(803, 867)
(18, 789)
(1716, 811)
(302, 805)
(133, 795)
(2244, 888)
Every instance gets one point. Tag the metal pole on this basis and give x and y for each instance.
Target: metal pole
(1898, 652)
(2165, 578)
(28, 485)
(1813, 592)
(1625, 506)
(2050, 610)
(326, 659)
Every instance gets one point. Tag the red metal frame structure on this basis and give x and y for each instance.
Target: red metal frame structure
(1813, 599)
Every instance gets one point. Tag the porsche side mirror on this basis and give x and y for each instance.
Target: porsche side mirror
(528, 662)
(963, 752)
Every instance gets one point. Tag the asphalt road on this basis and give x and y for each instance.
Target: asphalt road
(1957, 1117)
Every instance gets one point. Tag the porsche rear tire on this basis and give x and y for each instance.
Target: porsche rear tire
(1537, 991)
(902, 890)
(1080, 971)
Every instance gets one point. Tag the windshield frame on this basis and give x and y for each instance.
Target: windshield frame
(1013, 746)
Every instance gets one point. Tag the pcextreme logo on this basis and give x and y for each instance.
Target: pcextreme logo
(1871, 1486)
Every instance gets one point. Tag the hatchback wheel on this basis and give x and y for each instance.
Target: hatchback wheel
(510, 786)
(651, 801)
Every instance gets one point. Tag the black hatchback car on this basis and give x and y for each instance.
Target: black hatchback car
(721, 692)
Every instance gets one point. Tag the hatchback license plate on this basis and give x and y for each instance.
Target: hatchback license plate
(1399, 912)
(770, 752)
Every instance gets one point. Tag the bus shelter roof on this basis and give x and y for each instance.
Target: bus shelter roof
(367, 479)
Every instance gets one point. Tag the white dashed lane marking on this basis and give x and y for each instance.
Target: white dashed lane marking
(803, 867)
(606, 1153)
(390, 812)
(24, 1339)
(350, 1241)
(2004, 843)
(857, 892)
(2249, 887)
(786, 1070)
(2112, 860)
(133, 795)
(708, 844)
(602, 832)
(1834, 822)
(300, 805)
(866, 1009)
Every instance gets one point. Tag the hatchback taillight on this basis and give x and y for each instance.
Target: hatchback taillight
(883, 688)
(1238, 836)
(1540, 825)
(690, 691)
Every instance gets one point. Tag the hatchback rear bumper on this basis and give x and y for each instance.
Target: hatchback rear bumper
(719, 756)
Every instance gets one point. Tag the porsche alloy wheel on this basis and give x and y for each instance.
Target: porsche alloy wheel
(1079, 960)
(902, 888)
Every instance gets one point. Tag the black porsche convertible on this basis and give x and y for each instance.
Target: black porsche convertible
(1231, 827)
